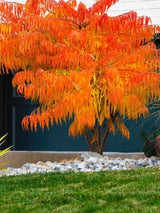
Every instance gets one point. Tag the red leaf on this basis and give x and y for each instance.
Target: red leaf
(82, 12)
(101, 6)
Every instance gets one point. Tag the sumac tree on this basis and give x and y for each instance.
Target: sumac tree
(80, 64)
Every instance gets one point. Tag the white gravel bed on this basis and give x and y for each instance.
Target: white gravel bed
(87, 162)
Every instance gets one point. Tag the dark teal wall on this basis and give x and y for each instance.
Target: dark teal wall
(57, 139)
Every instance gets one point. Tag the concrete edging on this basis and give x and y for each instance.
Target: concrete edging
(18, 158)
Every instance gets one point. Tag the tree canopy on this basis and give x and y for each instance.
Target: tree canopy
(80, 64)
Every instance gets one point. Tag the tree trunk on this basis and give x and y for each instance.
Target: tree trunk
(97, 143)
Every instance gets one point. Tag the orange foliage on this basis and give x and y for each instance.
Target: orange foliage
(78, 62)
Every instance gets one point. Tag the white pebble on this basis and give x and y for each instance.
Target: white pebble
(89, 162)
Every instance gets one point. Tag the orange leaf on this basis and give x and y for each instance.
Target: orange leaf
(116, 96)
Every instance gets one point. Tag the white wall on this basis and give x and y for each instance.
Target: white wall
(149, 8)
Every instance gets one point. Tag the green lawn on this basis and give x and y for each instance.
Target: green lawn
(117, 191)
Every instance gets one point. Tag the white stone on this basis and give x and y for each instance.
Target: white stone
(33, 170)
(3, 173)
(116, 162)
(150, 161)
(149, 166)
(158, 163)
(57, 168)
(85, 156)
(91, 164)
(136, 166)
(40, 163)
(105, 168)
(92, 160)
(124, 168)
(110, 166)
(69, 167)
(115, 167)
(28, 165)
(122, 163)
(63, 169)
(130, 160)
(139, 162)
(81, 165)
(144, 162)
(98, 170)
(118, 158)
(105, 158)
(110, 161)
(97, 166)
(9, 169)
(49, 164)
(74, 165)
(91, 167)
(120, 167)
(87, 170)
(154, 161)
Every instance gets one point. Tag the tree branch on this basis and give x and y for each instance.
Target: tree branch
(89, 141)
(95, 139)
(113, 117)
(104, 140)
